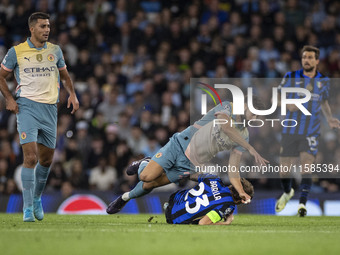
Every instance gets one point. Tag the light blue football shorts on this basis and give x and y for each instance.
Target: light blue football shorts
(37, 122)
(172, 159)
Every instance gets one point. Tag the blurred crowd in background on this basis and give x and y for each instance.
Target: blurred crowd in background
(131, 62)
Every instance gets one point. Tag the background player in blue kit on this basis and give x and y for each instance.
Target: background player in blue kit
(302, 139)
(195, 145)
(209, 202)
(38, 67)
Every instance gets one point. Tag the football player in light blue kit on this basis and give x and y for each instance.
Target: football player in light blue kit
(195, 145)
(38, 67)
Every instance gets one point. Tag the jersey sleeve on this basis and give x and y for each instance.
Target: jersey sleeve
(224, 109)
(325, 93)
(61, 61)
(221, 212)
(10, 60)
(285, 82)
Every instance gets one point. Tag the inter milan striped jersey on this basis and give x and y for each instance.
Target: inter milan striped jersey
(319, 87)
(36, 70)
(211, 196)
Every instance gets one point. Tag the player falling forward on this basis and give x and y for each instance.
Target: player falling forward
(209, 202)
(195, 145)
(38, 67)
(302, 140)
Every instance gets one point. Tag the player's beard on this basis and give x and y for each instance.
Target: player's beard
(43, 40)
(310, 69)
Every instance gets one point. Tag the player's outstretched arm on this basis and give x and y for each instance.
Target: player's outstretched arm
(258, 158)
(326, 110)
(11, 105)
(234, 177)
(65, 77)
(235, 136)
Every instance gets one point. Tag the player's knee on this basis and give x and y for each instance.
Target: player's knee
(148, 185)
(30, 160)
(144, 177)
(45, 162)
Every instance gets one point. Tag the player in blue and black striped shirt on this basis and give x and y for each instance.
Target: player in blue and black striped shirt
(302, 139)
(209, 202)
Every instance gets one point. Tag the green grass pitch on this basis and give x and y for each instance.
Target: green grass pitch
(149, 234)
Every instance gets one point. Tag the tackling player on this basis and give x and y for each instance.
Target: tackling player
(175, 160)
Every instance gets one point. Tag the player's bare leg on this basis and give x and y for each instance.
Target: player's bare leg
(145, 187)
(151, 172)
(159, 182)
(151, 175)
(285, 162)
(307, 160)
(45, 155)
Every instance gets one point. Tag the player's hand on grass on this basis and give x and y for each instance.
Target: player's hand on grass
(334, 123)
(258, 159)
(74, 101)
(229, 219)
(11, 105)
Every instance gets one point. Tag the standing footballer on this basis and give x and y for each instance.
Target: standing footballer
(301, 140)
(38, 67)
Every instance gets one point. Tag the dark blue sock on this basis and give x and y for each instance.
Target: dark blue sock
(305, 186)
(286, 184)
(41, 175)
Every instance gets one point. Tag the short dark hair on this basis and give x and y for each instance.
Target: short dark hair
(32, 20)
(311, 48)
(247, 187)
